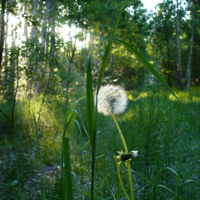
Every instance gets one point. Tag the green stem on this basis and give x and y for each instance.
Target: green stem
(126, 151)
(93, 168)
(120, 180)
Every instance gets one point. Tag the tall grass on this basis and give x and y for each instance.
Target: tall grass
(172, 128)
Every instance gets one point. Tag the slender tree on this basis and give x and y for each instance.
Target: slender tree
(34, 44)
(178, 46)
(2, 33)
(189, 67)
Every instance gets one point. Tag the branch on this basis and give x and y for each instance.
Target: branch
(5, 115)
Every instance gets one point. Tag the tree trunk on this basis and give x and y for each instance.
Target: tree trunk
(2, 33)
(69, 69)
(16, 88)
(52, 50)
(43, 42)
(52, 47)
(189, 67)
(5, 79)
(169, 70)
(178, 49)
(34, 43)
(26, 25)
(12, 68)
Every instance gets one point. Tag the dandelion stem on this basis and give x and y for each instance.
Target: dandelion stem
(126, 150)
(120, 180)
(120, 133)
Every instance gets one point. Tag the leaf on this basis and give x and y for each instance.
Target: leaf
(152, 69)
(14, 182)
(107, 52)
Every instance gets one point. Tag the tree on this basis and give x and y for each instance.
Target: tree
(194, 19)
(2, 33)
(178, 46)
(162, 39)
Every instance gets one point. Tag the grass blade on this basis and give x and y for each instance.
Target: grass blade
(188, 181)
(77, 123)
(107, 52)
(178, 178)
(90, 104)
(91, 121)
(69, 118)
(152, 69)
(118, 191)
(38, 146)
(157, 176)
(83, 125)
(168, 190)
(150, 183)
(102, 182)
(76, 183)
(155, 183)
(67, 182)
(113, 194)
(96, 197)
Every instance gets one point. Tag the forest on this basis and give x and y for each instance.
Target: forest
(99, 99)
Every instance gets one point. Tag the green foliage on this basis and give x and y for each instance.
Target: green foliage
(172, 128)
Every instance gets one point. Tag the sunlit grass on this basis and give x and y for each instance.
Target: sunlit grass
(132, 95)
(193, 96)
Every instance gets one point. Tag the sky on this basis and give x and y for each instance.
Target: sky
(150, 4)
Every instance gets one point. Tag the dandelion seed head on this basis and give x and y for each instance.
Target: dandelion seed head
(124, 157)
(112, 100)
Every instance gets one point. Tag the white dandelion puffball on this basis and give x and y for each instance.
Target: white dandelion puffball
(112, 100)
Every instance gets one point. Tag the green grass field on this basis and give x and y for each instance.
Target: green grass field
(164, 132)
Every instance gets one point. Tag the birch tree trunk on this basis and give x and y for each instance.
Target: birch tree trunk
(52, 47)
(2, 33)
(5, 79)
(178, 48)
(43, 43)
(189, 67)
(34, 44)
(52, 50)
(26, 30)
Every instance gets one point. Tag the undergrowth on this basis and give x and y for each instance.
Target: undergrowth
(155, 124)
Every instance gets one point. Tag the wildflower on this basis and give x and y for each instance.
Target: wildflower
(112, 100)
(123, 157)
